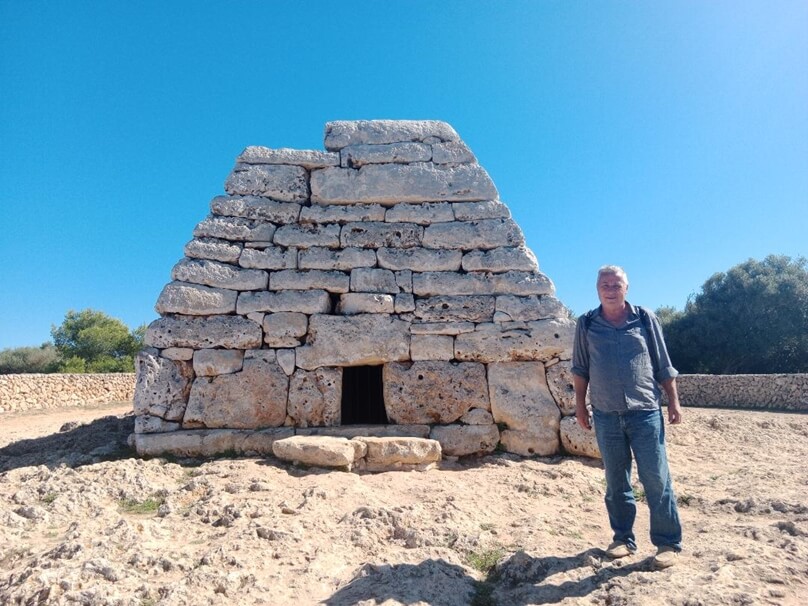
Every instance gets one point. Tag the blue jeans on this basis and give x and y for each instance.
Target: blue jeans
(643, 433)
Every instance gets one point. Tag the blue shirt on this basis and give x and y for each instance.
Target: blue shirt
(617, 364)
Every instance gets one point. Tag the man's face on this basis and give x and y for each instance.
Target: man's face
(612, 290)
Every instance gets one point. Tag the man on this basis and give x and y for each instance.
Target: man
(619, 354)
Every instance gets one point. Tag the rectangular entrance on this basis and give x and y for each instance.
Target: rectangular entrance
(363, 396)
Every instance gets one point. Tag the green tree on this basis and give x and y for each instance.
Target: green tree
(92, 341)
(42, 359)
(751, 319)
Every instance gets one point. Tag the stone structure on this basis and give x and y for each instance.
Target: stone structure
(24, 392)
(378, 288)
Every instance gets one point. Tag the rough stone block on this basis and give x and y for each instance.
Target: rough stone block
(343, 260)
(280, 182)
(404, 280)
(303, 301)
(207, 443)
(431, 347)
(441, 328)
(365, 303)
(284, 329)
(542, 341)
(342, 133)
(272, 257)
(219, 275)
(455, 309)
(315, 397)
(433, 283)
(559, 380)
(454, 152)
(501, 259)
(477, 416)
(310, 279)
(212, 362)
(469, 235)
(365, 279)
(543, 442)
(433, 392)
(578, 441)
(422, 214)
(486, 209)
(404, 303)
(342, 214)
(419, 259)
(147, 424)
(214, 249)
(379, 234)
(306, 235)
(462, 440)
(253, 207)
(195, 300)
(394, 451)
(306, 158)
(235, 228)
(162, 386)
(315, 451)
(354, 156)
(177, 353)
(510, 308)
(230, 332)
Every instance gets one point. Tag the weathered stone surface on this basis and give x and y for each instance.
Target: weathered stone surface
(272, 257)
(149, 424)
(541, 340)
(365, 303)
(422, 214)
(315, 397)
(253, 398)
(510, 308)
(354, 156)
(376, 431)
(521, 400)
(255, 154)
(404, 302)
(280, 182)
(578, 441)
(454, 152)
(316, 451)
(522, 283)
(209, 442)
(404, 280)
(477, 416)
(177, 353)
(341, 133)
(431, 347)
(380, 234)
(543, 442)
(286, 360)
(390, 184)
(441, 328)
(433, 392)
(474, 211)
(559, 380)
(501, 259)
(342, 214)
(304, 301)
(394, 451)
(462, 440)
(254, 207)
(306, 235)
(363, 339)
(365, 279)
(455, 309)
(219, 275)
(212, 362)
(195, 300)
(162, 386)
(284, 329)
(310, 279)
(419, 259)
(344, 260)
(469, 235)
(214, 249)
(234, 228)
(230, 332)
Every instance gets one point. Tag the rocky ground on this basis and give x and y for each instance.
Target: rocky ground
(83, 521)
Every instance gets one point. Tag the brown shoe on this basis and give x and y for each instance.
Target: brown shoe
(618, 549)
(665, 558)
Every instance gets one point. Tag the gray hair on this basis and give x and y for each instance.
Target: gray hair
(615, 270)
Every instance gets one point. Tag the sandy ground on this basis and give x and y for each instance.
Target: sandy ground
(83, 521)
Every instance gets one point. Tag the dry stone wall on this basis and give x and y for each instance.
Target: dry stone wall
(24, 392)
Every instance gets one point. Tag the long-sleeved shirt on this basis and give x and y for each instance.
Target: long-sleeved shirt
(617, 363)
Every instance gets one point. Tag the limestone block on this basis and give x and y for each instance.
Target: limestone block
(306, 158)
(195, 300)
(162, 386)
(431, 283)
(469, 235)
(219, 275)
(285, 328)
(431, 347)
(422, 214)
(272, 257)
(253, 398)
(212, 362)
(343, 260)
(209, 442)
(441, 328)
(395, 451)
(148, 424)
(377, 431)
(354, 156)
(214, 249)
(230, 332)
(543, 442)
(486, 209)
(365, 303)
(454, 152)
(309, 279)
(462, 440)
(315, 397)
(234, 228)
(501, 259)
(541, 340)
(419, 259)
(316, 451)
(254, 207)
(404, 280)
(433, 391)
(306, 235)
(304, 301)
(342, 214)
(380, 234)
(455, 309)
(177, 353)
(280, 182)
(390, 184)
(477, 416)
(341, 133)
(364, 339)
(364, 279)
(511, 308)
(286, 360)
(578, 441)
(559, 380)
(404, 302)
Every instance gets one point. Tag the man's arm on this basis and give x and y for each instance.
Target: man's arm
(674, 408)
(581, 413)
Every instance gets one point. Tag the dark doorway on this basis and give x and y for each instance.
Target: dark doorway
(362, 396)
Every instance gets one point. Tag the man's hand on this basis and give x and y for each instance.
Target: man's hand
(583, 418)
(674, 412)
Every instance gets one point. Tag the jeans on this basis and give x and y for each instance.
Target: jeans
(643, 433)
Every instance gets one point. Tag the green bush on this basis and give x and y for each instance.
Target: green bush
(20, 360)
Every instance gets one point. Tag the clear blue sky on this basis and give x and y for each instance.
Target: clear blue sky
(668, 137)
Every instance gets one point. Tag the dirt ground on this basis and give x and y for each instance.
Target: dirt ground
(84, 521)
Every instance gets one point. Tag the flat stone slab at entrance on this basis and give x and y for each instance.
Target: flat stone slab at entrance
(400, 453)
(317, 451)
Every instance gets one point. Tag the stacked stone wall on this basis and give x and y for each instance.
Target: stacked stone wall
(769, 392)
(24, 392)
